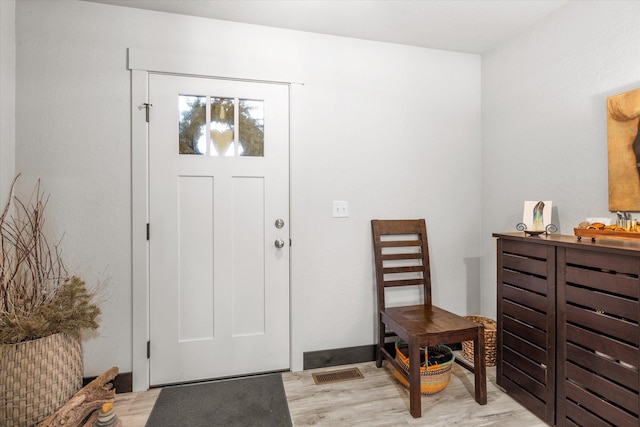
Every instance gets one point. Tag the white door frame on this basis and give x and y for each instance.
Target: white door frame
(141, 62)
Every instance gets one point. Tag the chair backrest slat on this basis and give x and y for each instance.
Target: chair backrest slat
(401, 256)
(386, 257)
(408, 282)
(392, 270)
(398, 243)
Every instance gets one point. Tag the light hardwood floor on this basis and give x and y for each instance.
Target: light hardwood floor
(376, 400)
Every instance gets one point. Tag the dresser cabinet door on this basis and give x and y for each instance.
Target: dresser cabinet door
(598, 334)
(526, 324)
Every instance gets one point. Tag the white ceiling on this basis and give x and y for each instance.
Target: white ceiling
(471, 26)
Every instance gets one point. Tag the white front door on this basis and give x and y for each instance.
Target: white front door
(218, 228)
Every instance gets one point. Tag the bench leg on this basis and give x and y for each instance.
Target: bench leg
(479, 367)
(381, 339)
(415, 407)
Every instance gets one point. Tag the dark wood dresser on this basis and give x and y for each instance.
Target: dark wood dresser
(568, 327)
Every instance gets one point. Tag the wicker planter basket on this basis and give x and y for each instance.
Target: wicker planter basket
(37, 377)
(489, 340)
(433, 378)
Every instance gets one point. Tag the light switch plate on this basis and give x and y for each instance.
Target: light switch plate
(340, 209)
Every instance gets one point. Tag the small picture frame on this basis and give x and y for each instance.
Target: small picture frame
(537, 214)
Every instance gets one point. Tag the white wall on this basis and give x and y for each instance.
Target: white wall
(7, 97)
(544, 131)
(394, 130)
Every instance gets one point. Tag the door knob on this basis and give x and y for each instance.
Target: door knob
(279, 243)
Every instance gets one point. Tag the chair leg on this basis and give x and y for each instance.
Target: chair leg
(415, 407)
(381, 339)
(479, 368)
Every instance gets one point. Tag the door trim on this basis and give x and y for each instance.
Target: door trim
(141, 63)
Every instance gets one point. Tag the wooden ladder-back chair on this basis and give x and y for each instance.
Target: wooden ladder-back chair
(402, 259)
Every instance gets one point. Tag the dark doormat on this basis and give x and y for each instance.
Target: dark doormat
(251, 401)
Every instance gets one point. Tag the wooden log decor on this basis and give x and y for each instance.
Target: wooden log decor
(83, 408)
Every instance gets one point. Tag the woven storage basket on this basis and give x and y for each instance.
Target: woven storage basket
(489, 340)
(433, 378)
(37, 377)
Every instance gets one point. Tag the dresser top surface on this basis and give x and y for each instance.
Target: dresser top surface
(565, 240)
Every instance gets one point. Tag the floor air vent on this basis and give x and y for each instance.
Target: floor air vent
(329, 377)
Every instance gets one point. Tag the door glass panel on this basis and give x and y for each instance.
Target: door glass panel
(192, 124)
(251, 134)
(209, 126)
(222, 126)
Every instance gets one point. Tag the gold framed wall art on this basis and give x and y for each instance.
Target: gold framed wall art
(623, 147)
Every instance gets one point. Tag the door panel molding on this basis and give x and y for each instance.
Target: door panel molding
(139, 220)
(204, 65)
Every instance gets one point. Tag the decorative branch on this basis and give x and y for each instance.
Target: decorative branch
(83, 407)
(37, 296)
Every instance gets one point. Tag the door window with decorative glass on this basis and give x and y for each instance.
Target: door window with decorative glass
(216, 126)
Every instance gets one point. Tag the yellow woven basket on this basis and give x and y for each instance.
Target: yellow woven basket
(37, 377)
(490, 329)
(432, 378)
